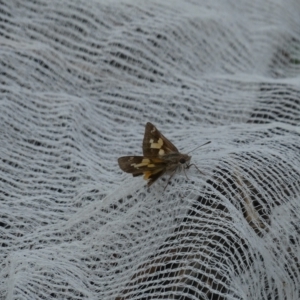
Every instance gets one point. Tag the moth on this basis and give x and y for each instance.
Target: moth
(160, 156)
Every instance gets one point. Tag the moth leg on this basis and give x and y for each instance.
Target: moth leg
(195, 167)
(185, 172)
(170, 178)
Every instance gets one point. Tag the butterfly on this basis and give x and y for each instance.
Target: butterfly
(160, 156)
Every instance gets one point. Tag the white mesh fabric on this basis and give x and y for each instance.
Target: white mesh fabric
(79, 81)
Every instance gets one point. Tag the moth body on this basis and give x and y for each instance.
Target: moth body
(160, 156)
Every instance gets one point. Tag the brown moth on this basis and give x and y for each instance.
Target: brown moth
(160, 156)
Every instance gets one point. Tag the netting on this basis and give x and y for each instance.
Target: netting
(79, 81)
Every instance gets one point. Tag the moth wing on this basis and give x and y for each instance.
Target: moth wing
(153, 177)
(155, 143)
(140, 165)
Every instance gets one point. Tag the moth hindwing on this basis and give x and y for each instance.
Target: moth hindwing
(160, 156)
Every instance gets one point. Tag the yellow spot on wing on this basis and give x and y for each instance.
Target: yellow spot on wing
(161, 152)
(144, 163)
(147, 174)
(157, 145)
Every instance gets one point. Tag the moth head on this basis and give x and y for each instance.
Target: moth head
(184, 159)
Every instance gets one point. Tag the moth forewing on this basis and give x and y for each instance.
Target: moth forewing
(155, 143)
(139, 164)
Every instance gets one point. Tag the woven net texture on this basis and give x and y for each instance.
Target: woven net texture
(79, 81)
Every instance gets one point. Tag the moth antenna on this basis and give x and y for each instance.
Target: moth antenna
(199, 146)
